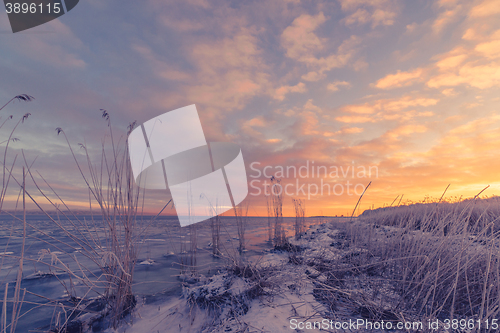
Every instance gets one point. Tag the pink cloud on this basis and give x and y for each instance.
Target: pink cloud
(387, 109)
(281, 92)
(335, 85)
(400, 79)
(302, 44)
(485, 8)
(376, 12)
(299, 38)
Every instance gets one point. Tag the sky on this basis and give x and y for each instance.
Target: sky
(405, 93)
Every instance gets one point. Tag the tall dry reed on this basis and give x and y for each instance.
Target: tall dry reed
(441, 259)
(215, 224)
(8, 165)
(269, 206)
(300, 220)
(108, 240)
(276, 205)
(241, 214)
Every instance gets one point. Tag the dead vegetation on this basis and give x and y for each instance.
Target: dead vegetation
(275, 211)
(8, 167)
(300, 220)
(434, 260)
(107, 241)
(228, 296)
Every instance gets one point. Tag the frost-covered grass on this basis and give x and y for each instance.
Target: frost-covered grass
(434, 260)
(407, 271)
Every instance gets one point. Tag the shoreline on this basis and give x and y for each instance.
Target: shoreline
(279, 292)
(334, 278)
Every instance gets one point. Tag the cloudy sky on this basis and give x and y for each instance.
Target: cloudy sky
(409, 88)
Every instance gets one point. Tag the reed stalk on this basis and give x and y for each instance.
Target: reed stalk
(300, 221)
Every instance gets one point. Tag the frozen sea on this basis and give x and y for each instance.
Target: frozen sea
(162, 246)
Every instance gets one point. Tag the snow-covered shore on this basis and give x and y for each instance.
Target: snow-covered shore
(280, 292)
(261, 296)
(338, 277)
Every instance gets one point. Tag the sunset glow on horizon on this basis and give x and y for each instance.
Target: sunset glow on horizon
(326, 96)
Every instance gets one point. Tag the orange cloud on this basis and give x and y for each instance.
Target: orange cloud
(281, 92)
(299, 38)
(182, 25)
(411, 27)
(470, 34)
(447, 3)
(227, 72)
(345, 52)
(387, 109)
(302, 44)
(451, 62)
(353, 4)
(359, 109)
(445, 80)
(449, 92)
(256, 122)
(486, 8)
(273, 140)
(475, 66)
(313, 76)
(469, 153)
(490, 50)
(405, 102)
(354, 119)
(351, 130)
(361, 16)
(400, 79)
(482, 77)
(405, 130)
(380, 12)
(61, 49)
(447, 17)
(311, 107)
(309, 119)
(382, 17)
(254, 126)
(334, 86)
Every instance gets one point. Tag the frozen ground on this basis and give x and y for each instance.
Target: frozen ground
(283, 291)
(336, 278)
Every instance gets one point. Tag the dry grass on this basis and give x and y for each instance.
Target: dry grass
(300, 221)
(241, 214)
(427, 260)
(114, 197)
(215, 228)
(193, 247)
(7, 171)
(108, 240)
(441, 216)
(269, 207)
(275, 200)
(228, 296)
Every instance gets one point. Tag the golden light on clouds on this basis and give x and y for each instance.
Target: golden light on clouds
(341, 83)
(400, 79)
